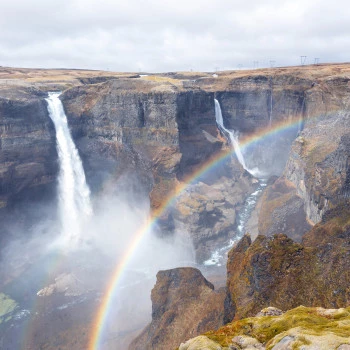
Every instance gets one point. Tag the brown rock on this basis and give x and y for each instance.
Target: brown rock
(184, 304)
(280, 272)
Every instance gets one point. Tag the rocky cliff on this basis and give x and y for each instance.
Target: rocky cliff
(27, 148)
(184, 304)
(159, 134)
(316, 174)
(154, 131)
(28, 157)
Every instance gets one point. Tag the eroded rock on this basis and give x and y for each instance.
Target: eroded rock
(184, 304)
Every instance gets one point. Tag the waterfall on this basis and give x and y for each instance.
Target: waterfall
(219, 256)
(73, 191)
(233, 139)
(232, 136)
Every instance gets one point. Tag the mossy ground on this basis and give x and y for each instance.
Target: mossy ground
(7, 305)
(304, 323)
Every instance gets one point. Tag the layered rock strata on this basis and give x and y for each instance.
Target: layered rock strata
(28, 158)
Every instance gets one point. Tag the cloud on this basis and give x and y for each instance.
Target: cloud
(175, 35)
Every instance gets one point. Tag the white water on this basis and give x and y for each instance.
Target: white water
(233, 139)
(219, 256)
(73, 191)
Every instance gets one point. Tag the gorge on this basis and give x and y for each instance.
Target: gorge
(168, 192)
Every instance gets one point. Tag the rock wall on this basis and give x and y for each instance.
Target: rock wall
(319, 161)
(144, 120)
(162, 135)
(316, 174)
(265, 102)
(152, 134)
(28, 158)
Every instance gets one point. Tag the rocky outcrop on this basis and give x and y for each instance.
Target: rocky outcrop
(302, 327)
(184, 304)
(278, 271)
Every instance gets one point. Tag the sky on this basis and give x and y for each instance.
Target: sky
(172, 35)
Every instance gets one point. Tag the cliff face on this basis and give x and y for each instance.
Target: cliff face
(145, 120)
(316, 176)
(257, 101)
(184, 304)
(162, 134)
(282, 211)
(27, 146)
(163, 130)
(319, 161)
(153, 133)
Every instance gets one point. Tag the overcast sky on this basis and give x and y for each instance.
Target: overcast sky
(171, 35)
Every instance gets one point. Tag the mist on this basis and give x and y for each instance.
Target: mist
(58, 276)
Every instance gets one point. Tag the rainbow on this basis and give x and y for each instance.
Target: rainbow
(106, 304)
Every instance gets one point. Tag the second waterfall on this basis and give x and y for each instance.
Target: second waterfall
(73, 191)
(234, 141)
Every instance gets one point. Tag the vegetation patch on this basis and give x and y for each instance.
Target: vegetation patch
(7, 305)
(304, 325)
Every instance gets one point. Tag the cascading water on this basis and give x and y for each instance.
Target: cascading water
(233, 139)
(218, 257)
(73, 191)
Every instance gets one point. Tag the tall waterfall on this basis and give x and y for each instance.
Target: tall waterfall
(73, 191)
(233, 139)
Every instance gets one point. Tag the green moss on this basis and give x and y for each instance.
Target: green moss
(7, 305)
(271, 329)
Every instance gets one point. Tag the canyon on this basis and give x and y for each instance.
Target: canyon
(151, 134)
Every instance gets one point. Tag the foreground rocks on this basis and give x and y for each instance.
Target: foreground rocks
(299, 328)
(184, 304)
